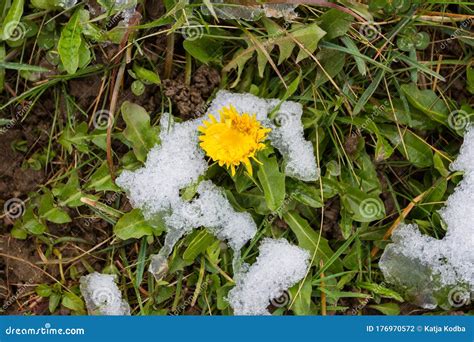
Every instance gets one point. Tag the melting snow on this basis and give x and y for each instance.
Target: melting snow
(252, 13)
(178, 162)
(428, 268)
(102, 295)
(213, 211)
(170, 166)
(279, 266)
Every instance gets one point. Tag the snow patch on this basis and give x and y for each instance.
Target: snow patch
(279, 266)
(102, 296)
(444, 263)
(213, 211)
(170, 166)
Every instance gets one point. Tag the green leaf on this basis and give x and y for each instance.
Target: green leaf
(77, 138)
(389, 309)
(308, 36)
(43, 290)
(332, 62)
(335, 23)
(304, 193)
(70, 42)
(311, 240)
(54, 300)
(426, 101)
(470, 79)
(45, 4)
(138, 131)
(69, 194)
(132, 225)
(101, 180)
(19, 232)
(201, 241)
(146, 75)
(369, 92)
(48, 211)
(413, 148)
(73, 302)
(12, 20)
(302, 297)
(381, 290)
(31, 223)
(362, 206)
(272, 181)
(204, 49)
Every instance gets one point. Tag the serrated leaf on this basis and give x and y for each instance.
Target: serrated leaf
(70, 193)
(308, 36)
(336, 23)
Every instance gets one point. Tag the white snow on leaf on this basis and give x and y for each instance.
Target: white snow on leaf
(213, 211)
(102, 296)
(444, 263)
(279, 266)
(178, 162)
(170, 166)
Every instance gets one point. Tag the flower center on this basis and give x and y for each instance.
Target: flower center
(234, 139)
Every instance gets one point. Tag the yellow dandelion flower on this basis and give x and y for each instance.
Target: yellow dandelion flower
(233, 140)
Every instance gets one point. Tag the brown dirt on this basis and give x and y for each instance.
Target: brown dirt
(331, 229)
(190, 99)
